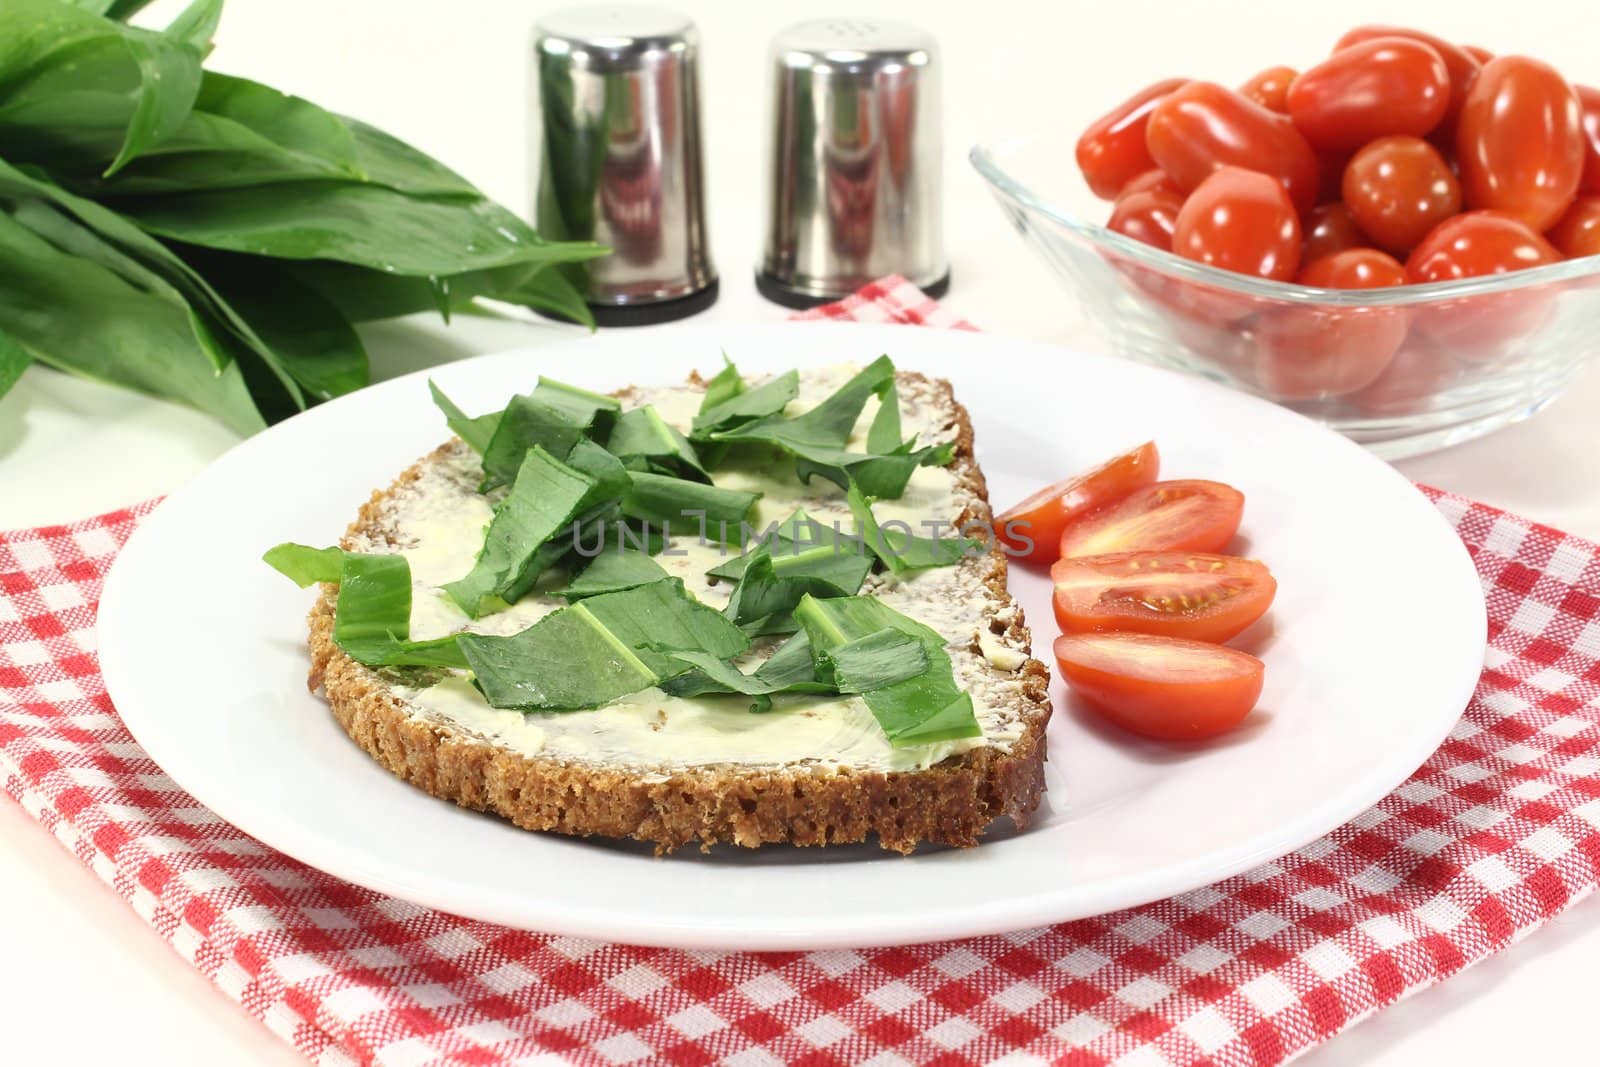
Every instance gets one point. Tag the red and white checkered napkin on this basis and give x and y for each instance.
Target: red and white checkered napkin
(1497, 833)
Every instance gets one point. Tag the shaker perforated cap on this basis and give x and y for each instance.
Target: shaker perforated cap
(618, 158)
(855, 161)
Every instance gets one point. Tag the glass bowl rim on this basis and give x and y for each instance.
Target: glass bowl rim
(985, 158)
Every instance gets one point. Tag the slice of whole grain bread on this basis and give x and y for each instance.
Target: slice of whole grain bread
(805, 803)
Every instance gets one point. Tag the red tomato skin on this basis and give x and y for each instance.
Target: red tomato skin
(1243, 221)
(1398, 189)
(1376, 88)
(1249, 585)
(1589, 99)
(1520, 141)
(1270, 88)
(1330, 228)
(1316, 352)
(1154, 180)
(1150, 217)
(1163, 709)
(1353, 268)
(1482, 329)
(1418, 371)
(1578, 231)
(1476, 243)
(1461, 64)
(1203, 126)
(1219, 508)
(1482, 55)
(1050, 510)
(1112, 150)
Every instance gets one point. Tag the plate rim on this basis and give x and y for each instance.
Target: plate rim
(712, 931)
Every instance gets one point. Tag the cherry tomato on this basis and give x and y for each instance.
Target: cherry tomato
(1353, 268)
(1461, 64)
(1482, 55)
(1388, 85)
(1330, 228)
(1398, 189)
(1482, 328)
(1196, 595)
(1590, 100)
(1413, 377)
(1520, 142)
(1112, 150)
(1578, 231)
(1181, 516)
(1032, 529)
(1150, 217)
(1203, 126)
(1270, 88)
(1476, 243)
(1316, 351)
(1161, 687)
(1154, 180)
(1243, 221)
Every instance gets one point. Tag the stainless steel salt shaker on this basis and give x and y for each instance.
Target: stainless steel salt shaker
(617, 157)
(855, 158)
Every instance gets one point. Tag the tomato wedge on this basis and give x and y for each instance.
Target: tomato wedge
(1162, 687)
(1031, 530)
(1194, 595)
(1182, 516)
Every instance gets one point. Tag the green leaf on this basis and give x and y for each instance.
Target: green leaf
(726, 384)
(918, 710)
(598, 649)
(546, 496)
(682, 505)
(771, 586)
(643, 433)
(798, 534)
(14, 359)
(817, 438)
(169, 73)
(476, 431)
(367, 225)
(746, 406)
(372, 617)
(612, 571)
(305, 565)
(554, 416)
(304, 334)
(875, 661)
(901, 550)
(101, 326)
(788, 670)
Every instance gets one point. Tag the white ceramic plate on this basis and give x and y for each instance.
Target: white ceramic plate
(1372, 650)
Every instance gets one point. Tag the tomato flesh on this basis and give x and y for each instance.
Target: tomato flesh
(1166, 688)
(1031, 530)
(1177, 516)
(1195, 595)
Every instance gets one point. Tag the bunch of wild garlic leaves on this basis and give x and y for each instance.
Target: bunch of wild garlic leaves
(208, 239)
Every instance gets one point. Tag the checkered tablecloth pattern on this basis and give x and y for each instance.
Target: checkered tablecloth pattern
(1497, 833)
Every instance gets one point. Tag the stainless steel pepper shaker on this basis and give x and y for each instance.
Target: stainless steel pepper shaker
(618, 158)
(855, 161)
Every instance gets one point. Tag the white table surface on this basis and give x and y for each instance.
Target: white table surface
(449, 78)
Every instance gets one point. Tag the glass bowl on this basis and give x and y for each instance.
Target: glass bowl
(1402, 370)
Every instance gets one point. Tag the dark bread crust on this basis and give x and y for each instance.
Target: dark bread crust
(950, 803)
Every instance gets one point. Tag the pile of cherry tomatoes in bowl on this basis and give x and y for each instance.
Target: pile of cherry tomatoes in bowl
(1400, 159)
